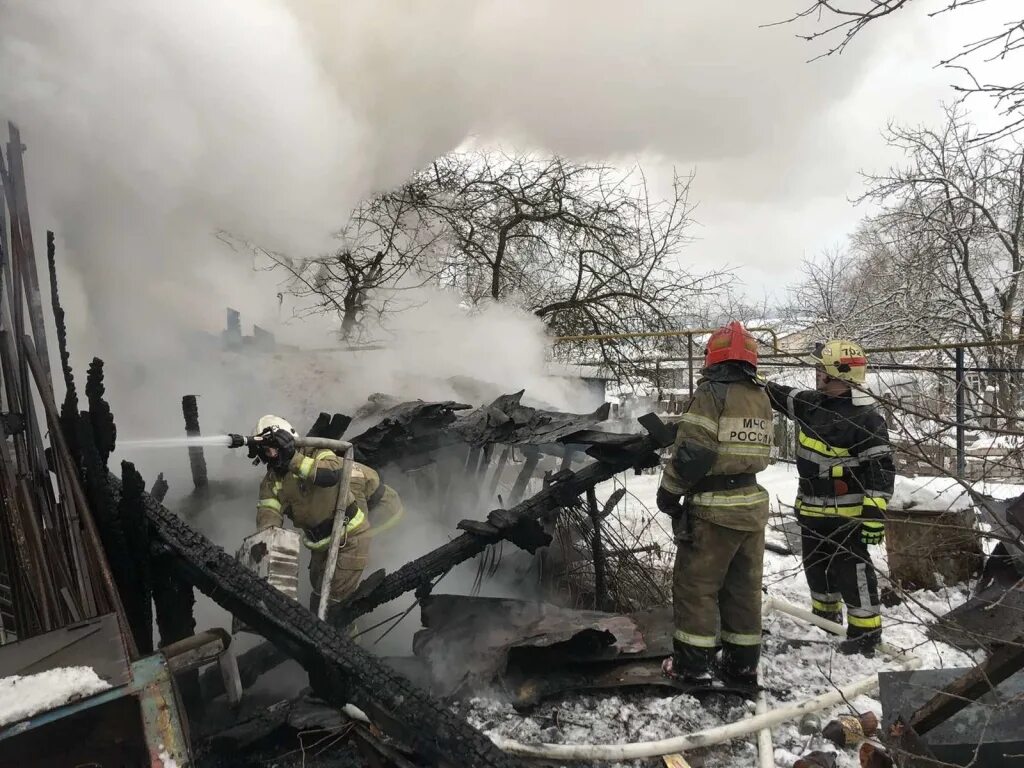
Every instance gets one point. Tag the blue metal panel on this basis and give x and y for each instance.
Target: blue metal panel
(164, 728)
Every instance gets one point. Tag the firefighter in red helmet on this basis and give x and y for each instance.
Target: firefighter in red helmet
(724, 439)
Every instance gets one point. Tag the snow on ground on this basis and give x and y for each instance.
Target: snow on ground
(24, 696)
(799, 660)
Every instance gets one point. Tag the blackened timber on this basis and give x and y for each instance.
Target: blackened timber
(103, 427)
(138, 601)
(160, 487)
(196, 458)
(632, 451)
(506, 420)
(92, 537)
(342, 671)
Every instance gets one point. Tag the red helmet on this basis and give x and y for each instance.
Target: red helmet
(731, 342)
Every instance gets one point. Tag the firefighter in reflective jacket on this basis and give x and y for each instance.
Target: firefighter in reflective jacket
(303, 485)
(845, 464)
(724, 439)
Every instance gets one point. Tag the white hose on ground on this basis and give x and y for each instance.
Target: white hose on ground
(765, 748)
(783, 606)
(775, 604)
(722, 733)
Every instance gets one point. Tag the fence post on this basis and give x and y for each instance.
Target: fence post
(689, 361)
(961, 453)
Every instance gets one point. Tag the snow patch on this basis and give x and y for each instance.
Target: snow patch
(943, 494)
(24, 696)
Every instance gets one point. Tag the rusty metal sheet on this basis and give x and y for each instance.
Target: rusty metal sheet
(469, 642)
(95, 643)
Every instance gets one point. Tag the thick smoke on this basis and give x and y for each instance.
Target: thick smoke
(153, 125)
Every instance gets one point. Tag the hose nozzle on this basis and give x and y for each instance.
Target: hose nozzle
(238, 441)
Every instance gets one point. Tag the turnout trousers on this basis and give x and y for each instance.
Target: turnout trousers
(716, 598)
(353, 555)
(839, 570)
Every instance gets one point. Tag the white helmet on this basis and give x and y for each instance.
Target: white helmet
(271, 422)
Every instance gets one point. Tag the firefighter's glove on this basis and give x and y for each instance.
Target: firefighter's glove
(284, 442)
(670, 503)
(872, 532)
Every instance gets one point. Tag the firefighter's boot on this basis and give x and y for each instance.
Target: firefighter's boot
(738, 666)
(862, 642)
(690, 664)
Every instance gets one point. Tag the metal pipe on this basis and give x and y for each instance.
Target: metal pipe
(662, 335)
(961, 449)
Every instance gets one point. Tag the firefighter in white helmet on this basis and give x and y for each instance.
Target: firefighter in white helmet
(846, 470)
(302, 484)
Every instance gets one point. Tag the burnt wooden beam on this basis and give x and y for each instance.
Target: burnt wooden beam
(340, 670)
(196, 458)
(532, 454)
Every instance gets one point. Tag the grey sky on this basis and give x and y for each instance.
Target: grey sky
(153, 124)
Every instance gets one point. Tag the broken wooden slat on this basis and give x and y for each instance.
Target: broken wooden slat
(976, 683)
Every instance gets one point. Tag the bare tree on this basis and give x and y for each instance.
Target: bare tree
(585, 248)
(942, 260)
(387, 247)
(845, 19)
(965, 203)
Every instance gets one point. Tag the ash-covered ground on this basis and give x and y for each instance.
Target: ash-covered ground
(799, 660)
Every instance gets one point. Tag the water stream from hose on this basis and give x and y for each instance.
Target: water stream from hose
(206, 441)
